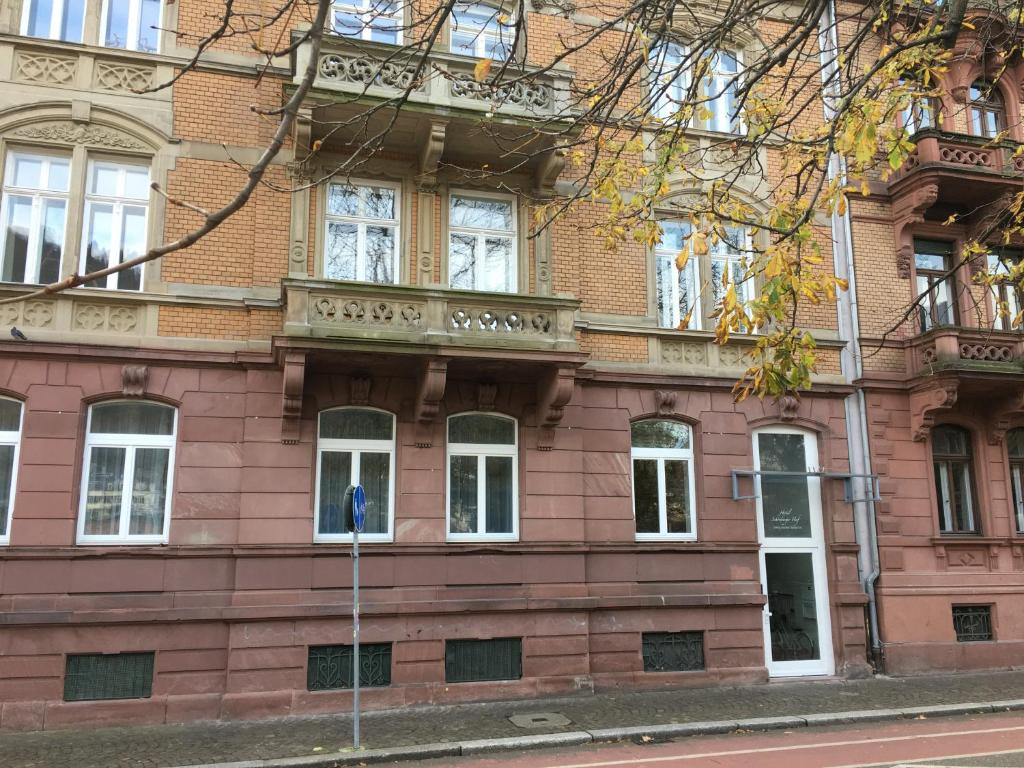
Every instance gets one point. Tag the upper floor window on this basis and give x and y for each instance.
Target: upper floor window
(482, 477)
(1015, 451)
(721, 85)
(355, 446)
(481, 31)
(116, 205)
(921, 113)
(126, 481)
(669, 80)
(377, 20)
(1005, 296)
(728, 265)
(482, 242)
(131, 24)
(54, 19)
(717, 106)
(663, 480)
(677, 290)
(954, 482)
(10, 441)
(33, 209)
(988, 114)
(932, 263)
(361, 232)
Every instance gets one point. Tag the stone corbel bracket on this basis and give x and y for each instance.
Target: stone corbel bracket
(1005, 413)
(909, 211)
(294, 380)
(429, 393)
(133, 380)
(432, 147)
(554, 391)
(927, 403)
(550, 168)
(665, 401)
(359, 390)
(789, 407)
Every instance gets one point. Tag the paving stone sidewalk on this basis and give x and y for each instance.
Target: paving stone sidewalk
(198, 744)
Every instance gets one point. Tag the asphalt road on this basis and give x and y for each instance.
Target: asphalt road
(995, 741)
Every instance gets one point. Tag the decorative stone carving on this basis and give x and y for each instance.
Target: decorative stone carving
(526, 95)
(291, 396)
(38, 314)
(909, 210)
(665, 401)
(996, 353)
(359, 388)
(100, 317)
(133, 380)
(929, 402)
(671, 352)
(429, 393)
(731, 357)
(554, 391)
(564, 7)
(500, 321)
(548, 171)
(1004, 414)
(45, 68)
(112, 76)
(695, 354)
(789, 407)
(431, 149)
(326, 309)
(486, 393)
(904, 258)
(67, 132)
(366, 71)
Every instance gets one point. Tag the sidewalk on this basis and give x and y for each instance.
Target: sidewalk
(587, 715)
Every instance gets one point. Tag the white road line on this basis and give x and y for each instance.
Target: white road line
(762, 750)
(929, 762)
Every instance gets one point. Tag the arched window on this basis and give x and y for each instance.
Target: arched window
(954, 479)
(355, 446)
(988, 114)
(10, 442)
(664, 492)
(126, 481)
(483, 477)
(481, 31)
(1015, 450)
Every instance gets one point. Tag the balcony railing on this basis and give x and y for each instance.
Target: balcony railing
(375, 70)
(968, 349)
(400, 314)
(935, 148)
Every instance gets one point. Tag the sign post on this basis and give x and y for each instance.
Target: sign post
(355, 514)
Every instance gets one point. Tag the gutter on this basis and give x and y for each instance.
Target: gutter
(850, 359)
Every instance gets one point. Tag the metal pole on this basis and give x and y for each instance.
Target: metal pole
(355, 638)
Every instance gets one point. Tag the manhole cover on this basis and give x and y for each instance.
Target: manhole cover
(540, 720)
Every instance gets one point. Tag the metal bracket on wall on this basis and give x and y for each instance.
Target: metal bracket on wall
(849, 496)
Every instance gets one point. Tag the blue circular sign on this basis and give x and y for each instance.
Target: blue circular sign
(359, 507)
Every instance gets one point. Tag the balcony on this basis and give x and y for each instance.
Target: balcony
(966, 350)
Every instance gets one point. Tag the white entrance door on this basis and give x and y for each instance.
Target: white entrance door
(797, 629)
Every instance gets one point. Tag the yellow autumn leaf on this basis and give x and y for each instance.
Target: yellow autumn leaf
(682, 258)
(482, 69)
(700, 243)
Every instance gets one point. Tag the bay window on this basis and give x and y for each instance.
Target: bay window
(361, 237)
(664, 489)
(932, 264)
(126, 480)
(954, 481)
(482, 250)
(114, 227)
(482, 477)
(54, 19)
(10, 442)
(1005, 295)
(481, 31)
(988, 113)
(131, 24)
(355, 446)
(376, 20)
(33, 212)
(677, 289)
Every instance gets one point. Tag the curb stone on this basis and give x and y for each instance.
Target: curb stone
(574, 738)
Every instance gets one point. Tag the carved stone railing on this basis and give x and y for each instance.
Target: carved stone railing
(359, 68)
(938, 149)
(402, 314)
(951, 348)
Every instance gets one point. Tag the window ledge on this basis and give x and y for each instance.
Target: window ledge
(642, 538)
(481, 539)
(107, 541)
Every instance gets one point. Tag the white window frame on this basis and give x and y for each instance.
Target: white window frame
(368, 12)
(481, 236)
(997, 265)
(1016, 497)
(118, 202)
(481, 34)
(715, 87)
(723, 252)
(668, 95)
(130, 442)
(12, 438)
(661, 455)
(39, 197)
(356, 448)
(134, 17)
(56, 20)
(361, 223)
(693, 267)
(481, 451)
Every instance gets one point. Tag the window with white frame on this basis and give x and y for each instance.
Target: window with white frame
(1005, 295)
(355, 446)
(954, 479)
(482, 477)
(721, 86)
(54, 19)
(728, 257)
(669, 80)
(114, 229)
(33, 209)
(482, 242)
(361, 236)
(664, 490)
(481, 31)
(1015, 452)
(131, 24)
(677, 291)
(10, 442)
(922, 111)
(126, 480)
(376, 20)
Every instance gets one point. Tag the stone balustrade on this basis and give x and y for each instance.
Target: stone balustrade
(952, 348)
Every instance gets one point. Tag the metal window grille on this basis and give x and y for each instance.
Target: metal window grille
(93, 676)
(467, 661)
(673, 651)
(330, 666)
(972, 623)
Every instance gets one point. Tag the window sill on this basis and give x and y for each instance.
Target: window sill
(477, 538)
(364, 538)
(643, 538)
(111, 541)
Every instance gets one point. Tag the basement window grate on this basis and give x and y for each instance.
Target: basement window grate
(97, 676)
(468, 661)
(673, 651)
(972, 623)
(330, 666)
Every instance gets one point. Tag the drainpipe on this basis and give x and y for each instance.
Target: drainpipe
(850, 359)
